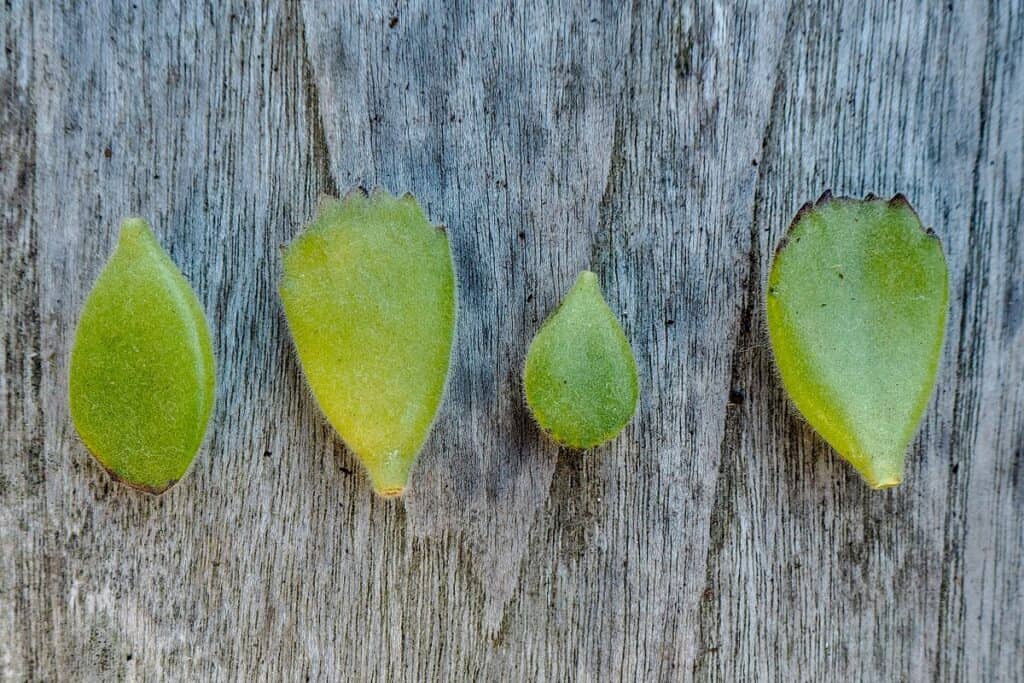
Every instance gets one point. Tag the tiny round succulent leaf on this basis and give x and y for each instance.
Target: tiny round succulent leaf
(580, 376)
(141, 377)
(369, 294)
(856, 308)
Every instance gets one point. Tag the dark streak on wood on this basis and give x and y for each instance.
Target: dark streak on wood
(315, 123)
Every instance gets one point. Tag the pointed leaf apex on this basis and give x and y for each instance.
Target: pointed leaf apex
(134, 228)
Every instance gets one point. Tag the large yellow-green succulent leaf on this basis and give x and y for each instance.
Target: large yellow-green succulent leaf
(856, 307)
(369, 294)
(141, 380)
(580, 376)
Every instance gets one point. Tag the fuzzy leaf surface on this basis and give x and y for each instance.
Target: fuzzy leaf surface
(580, 375)
(856, 306)
(141, 379)
(369, 294)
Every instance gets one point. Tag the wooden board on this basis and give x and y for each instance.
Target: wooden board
(666, 146)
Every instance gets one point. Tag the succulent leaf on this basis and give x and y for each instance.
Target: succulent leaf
(141, 378)
(856, 307)
(580, 376)
(369, 294)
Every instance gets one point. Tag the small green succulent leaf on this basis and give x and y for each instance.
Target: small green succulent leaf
(580, 376)
(141, 377)
(369, 294)
(856, 307)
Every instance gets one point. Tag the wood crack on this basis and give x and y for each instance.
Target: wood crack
(955, 525)
(314, 116)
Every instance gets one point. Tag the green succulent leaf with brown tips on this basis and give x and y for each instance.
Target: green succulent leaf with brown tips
(580, 376)
(856, 308)
(141, 379)
(369, 294)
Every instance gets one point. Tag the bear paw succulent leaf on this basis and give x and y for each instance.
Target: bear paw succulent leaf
(580, 376)
(856, 307)
(141, 378)
(369, 294)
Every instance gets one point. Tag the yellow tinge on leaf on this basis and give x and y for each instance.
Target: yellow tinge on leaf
(369, 294)
(856, 306)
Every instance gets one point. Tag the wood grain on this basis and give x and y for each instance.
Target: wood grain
(665, 146)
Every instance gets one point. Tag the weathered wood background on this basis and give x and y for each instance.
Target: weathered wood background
(665, 146)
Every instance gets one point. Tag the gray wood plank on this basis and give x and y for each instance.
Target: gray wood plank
(665, 146)
(22, 509)
(834, 576)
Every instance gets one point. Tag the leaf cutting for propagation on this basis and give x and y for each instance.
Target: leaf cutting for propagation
(856, 307)
(580, 376)
(141, 380)
(369, 294)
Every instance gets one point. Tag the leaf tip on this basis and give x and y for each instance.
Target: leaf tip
(880, 472)
(153, 490)
(881, 485)
(357, 192)
(135, 227)
(390, 492)
(587, 278)
(899, 199)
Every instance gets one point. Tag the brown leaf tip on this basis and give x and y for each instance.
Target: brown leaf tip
(356, 192)
(899, 199)
(153, 490)
(825, 197)
(391, 492)
(145, 488)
